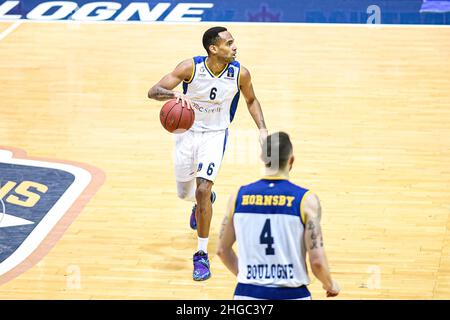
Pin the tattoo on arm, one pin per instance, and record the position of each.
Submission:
(161, 93)
(315, 232)
(222, 228)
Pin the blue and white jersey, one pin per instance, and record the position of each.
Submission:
(269, 225)
(215, 98)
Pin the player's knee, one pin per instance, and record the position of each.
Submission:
(202, 192)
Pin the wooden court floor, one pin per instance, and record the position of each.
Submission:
(368, 110)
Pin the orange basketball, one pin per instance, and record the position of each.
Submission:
(175, 118)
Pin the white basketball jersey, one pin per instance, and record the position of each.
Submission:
(215, 98)
(270, 234)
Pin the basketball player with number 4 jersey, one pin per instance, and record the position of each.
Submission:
(211, 86)
(274, 223)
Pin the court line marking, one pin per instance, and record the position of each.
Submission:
(10, 28)
(271, 24)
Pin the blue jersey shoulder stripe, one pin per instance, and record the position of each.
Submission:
(292, 195)
(196, 61)
(235, 63)
(199, 59)
(234, 105)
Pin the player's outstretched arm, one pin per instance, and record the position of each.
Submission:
(314, 244)
(253, 105)
(227, 238)
(163, 89)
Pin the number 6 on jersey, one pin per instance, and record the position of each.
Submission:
(212, 94)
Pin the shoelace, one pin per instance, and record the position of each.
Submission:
(203, 261)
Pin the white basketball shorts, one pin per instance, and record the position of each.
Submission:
(199, 154)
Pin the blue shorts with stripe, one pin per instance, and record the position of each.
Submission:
(250, 291)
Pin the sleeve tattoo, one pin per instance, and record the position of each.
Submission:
(222, 228)
(162, 93)
(315, 233)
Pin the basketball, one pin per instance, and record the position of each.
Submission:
(175, 118)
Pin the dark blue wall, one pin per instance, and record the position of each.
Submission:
(311, 11)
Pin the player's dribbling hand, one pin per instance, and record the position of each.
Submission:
(333, 291)
(185, 101)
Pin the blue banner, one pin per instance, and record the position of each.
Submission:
(298, 11)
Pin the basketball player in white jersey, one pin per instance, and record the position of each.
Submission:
(211, 86)
(274, 223)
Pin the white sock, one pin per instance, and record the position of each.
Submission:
(203, 244)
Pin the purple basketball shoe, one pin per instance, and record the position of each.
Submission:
(201, 266)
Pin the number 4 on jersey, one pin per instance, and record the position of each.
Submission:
(266, 238)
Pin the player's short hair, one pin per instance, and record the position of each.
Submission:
(277, 149)
(211, 36)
